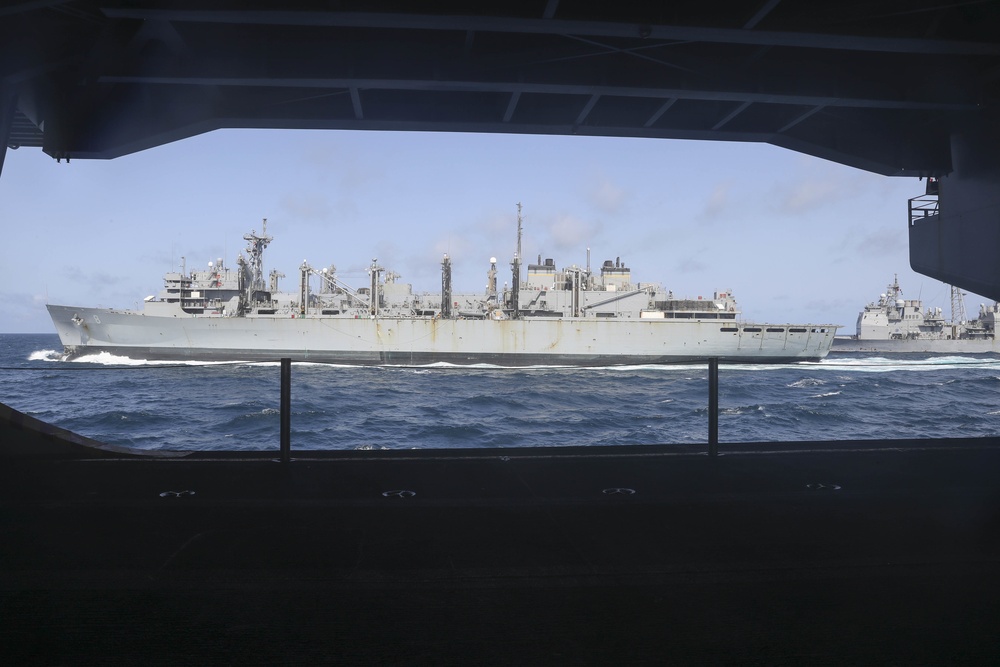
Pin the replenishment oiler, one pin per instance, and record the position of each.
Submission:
(569, 316)
(894, 324)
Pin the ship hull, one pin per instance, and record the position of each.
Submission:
(421, 341)
(921, 346)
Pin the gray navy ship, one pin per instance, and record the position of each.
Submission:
(895, 324)
(565, 316)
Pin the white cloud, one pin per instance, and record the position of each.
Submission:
(570, 233)
(23, 313)
(691, 265)
(881, 242)
(817, 185)
(95, 281)
(607, 196)
(306, 206)
(718, 203)
(454, 245)
(805, 196)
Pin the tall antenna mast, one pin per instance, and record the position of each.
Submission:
(515, 287)
(519, 230)
(255, 257)
(957, 306)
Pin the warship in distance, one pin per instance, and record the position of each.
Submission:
(570, 316)
(895, 324)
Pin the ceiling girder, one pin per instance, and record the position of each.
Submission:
(876, 85)
(546, 26)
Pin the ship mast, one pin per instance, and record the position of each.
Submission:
(373, 295)
(446, 287)
(519, 231)
(491, 280)
(255, 258)
(957, 305)
(515, 288)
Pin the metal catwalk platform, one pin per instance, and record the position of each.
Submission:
(818, 553)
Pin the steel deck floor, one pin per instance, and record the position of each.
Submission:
(818, 553)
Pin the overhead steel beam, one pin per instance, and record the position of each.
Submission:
(102, 78)
(21, 7)
(800, 118)
(587, 108)
(633, 52)
(542, 88)
(659, 112)
(733, 114)
(356, 103)
(552, 26)
(766, 9)
(511, 106)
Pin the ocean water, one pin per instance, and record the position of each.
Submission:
(235, 406)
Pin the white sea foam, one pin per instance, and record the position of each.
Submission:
(45, 355)
(743, 410)
(651, 367)
(807, 382)
(886, 364)
(108, 359)
(866, 364)
(874, 364)
(829, 393)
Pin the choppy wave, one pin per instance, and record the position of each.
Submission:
(881, 364)
(148, 404)
(807, 382)
(743, 410)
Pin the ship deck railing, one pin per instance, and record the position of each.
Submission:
(923, 207)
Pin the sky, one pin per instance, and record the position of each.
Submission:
(797, 239)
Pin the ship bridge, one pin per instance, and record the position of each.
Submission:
(894, 88)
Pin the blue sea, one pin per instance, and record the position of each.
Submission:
(235, 406)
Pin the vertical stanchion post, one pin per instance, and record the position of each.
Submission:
(286, 410)
(713, 406)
